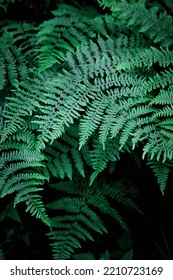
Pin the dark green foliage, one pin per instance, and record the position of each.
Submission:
(77, 91)
(78, 216)
(17, 160)
(4, 4)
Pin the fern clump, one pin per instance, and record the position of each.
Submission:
(81, 214)
(78, 90)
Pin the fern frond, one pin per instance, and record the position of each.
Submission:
(17, 174)
(80, 218)
(36, 207)
(14, 51)
(20, 182)
(60, 154)
(145, 57)
(134, 123)
(160, 80)
(3, 73)
(78, 161)
(67, 165)
(137, 16)
(15, 111)
(166, 128)
(161, 171)
(63, 33)
(100, 157)
(77, 225)
(92, 119)
(57, 109)
(164, 97)
(158, 146)
(95, 196)
(21, 38)
(121, 190)
(167, 111)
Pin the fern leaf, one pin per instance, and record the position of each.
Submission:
(164, 97)
(158, 146)
(3, 73)
(16, 183)
(76, 224)
(161, 171)
(137, 16)
(73, 30)
(36, 207)
(67, 166)
(15, 111)
(92, 119)
(78, 161)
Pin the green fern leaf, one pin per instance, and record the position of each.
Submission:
(161, 172)
(3, 73)
(92, 119)
(78, 161)
(67, 166)
(36, 207)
